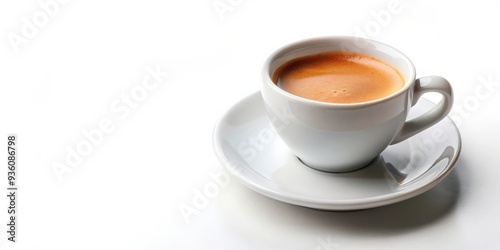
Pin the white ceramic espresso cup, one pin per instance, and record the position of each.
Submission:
(345, 137)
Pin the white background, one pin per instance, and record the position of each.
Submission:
(66, 68)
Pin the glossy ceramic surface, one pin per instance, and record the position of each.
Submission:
(249, 148)
(335, 137)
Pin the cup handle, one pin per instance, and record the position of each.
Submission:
(424, 85)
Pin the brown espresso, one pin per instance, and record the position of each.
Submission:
(338, 77)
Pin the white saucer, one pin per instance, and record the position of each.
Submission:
(248, 147)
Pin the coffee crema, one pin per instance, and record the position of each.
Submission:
(338, 77)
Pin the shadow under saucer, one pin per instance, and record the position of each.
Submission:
(420, 211)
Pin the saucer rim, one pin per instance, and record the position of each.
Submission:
(332, 204)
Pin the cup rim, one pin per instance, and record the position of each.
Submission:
(294, 46)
